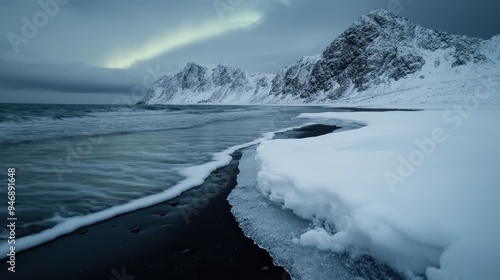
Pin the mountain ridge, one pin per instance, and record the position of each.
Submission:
(207, 83)
(380, 51)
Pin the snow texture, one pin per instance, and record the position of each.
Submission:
(415, 190)
(274, 228)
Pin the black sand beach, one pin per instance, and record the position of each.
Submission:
(194, 236)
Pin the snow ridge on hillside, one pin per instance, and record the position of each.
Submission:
(380, 53)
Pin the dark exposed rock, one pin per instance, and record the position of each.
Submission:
(135, 230)
(173, 203)
(376, 49)
(82, 231)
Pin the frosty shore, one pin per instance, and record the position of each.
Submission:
(415, 190)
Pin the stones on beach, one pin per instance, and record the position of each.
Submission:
(185, 252)
(265, 268)
(136, 230)
(82, 231)
(173, 203)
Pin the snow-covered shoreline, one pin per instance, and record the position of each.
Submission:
(416, 190)
(273, 228)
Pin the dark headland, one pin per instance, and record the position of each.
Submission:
(193, 236)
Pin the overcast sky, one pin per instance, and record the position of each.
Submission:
(96, 51)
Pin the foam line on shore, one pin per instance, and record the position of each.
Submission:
(195, 176)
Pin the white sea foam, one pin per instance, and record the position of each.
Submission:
(195, 176)
(99, 157)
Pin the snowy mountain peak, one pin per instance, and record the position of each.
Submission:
(221, 83)
(381, 50)
(379, 53)
(385, 15)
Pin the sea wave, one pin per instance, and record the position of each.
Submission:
(195, 176)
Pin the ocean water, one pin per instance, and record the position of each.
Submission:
(95, 161)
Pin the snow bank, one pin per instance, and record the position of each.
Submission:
(416, 190)
(273, 229)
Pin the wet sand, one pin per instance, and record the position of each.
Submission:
(193, 236)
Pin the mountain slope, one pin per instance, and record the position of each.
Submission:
(200, 84)
(380, 53)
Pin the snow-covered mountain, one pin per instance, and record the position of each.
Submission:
(213, 84)
(381, 57)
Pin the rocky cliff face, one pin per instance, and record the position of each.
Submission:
(380, 50)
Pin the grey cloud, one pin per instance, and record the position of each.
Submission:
(464, 17)
(64, 55)
(75, 78)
